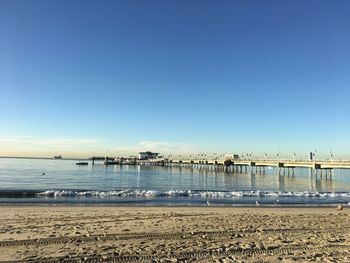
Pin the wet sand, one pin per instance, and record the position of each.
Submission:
(173, 234)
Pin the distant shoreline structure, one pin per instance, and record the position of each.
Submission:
(41, 158)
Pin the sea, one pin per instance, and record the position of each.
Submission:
(49, 181)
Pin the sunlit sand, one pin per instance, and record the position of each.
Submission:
(174, 234)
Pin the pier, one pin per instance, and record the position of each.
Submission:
(257, 165)
(234, 164)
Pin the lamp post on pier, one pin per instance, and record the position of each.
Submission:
(314, 155)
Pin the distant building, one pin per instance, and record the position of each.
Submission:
(147, 155)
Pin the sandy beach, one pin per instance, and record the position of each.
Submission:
(173, 234)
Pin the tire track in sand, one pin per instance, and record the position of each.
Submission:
(195, 255)
(150, 236)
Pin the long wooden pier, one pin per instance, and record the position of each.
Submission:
(258, 165)
(240, 165)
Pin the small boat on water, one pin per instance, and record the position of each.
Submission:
(82, 163)
(57, 157)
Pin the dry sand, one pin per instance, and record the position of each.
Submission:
(173, 234)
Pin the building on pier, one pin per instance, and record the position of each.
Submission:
(231, 156)
(147, 155)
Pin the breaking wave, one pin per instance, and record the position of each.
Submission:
(189, 193)
(175, 197)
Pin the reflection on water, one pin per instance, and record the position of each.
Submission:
(207, 179)
(63, 174)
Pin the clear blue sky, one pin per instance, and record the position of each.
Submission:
(83, 77)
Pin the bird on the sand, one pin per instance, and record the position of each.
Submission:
(208, 204)
(339, 207)
(257, 203)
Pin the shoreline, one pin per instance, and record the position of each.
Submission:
(235, 206)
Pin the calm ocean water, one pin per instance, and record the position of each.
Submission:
(23, 181)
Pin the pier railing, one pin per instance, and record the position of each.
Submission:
(315, 164)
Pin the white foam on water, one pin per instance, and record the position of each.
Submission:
(192, 193)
